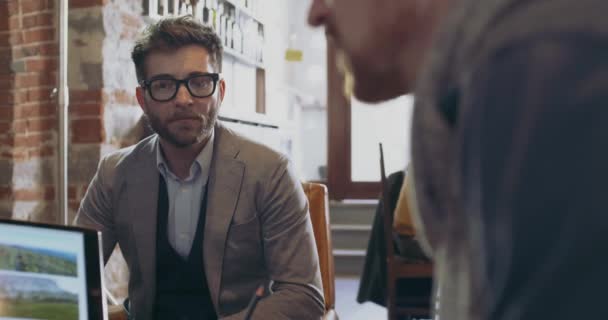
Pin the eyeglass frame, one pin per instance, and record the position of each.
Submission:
(145, 84)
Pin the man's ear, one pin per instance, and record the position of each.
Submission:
(140, 93)
(222, 85)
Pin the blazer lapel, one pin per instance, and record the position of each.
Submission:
(142, 192)
(225, 181)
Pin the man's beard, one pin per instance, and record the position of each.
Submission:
(162, 129)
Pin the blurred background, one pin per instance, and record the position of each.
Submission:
(67, 98)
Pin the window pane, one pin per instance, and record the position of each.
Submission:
(388, 122)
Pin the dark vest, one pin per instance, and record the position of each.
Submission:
(182, 292)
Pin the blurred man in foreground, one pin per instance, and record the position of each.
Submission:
(509, 145)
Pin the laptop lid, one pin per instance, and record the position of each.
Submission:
(50, 272)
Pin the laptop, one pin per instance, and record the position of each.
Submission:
(50, 272)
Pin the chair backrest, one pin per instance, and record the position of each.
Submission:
(387, 214)
(318, 203)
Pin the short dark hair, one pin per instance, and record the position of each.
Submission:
(174, 33)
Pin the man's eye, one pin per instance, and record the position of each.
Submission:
(200, 83)
(163, 84)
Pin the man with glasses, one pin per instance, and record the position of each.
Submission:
(202, 215)
(509, 142)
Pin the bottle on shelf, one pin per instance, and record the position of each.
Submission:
(237, 35)
(230, 29)
(212, 14)
(260, 44)
(222, 17)
(248, 36)
(205, 13)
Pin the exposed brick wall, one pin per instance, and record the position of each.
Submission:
(28, 122)
(103, 110)
(103, 114)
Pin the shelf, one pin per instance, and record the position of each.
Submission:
(245, 11)
(249, 118)
(242, 58)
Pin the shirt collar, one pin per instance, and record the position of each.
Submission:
(201, 164)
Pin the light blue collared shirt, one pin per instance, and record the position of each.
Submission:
(185, 197)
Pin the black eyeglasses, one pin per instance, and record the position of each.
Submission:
(165, 89)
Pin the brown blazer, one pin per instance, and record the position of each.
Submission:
(257, 228)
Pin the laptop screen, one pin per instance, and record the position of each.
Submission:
(49, 272)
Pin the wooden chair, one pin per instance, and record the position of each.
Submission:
(409, 307)
(318, 203)
(116, 312)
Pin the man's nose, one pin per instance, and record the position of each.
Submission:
(183, 96)
(318, 13)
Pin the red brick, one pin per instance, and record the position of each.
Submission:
(43, 19)
(34, 111)
(39, 94)
(20, 96)
(84, 110)
(33, 80)
(74, 205)
(45, 193)
(33, 139)
(34, 125)
(7, 81)
(6, 113)
(9, 7)
(4, 22)
(11, 38)
(82, 96)
(6, 92)
(15, 38)
(4, 39)
(6, 140)
(41, 65)
(85, 3)
(87, 131)
(41, 152)
(42, 124)
(28, 6)
(49, 49)
(71, 192)
(5, 127)
(26, 51)
(12, 23)
(6, 67)
(7, 97)
(38, 50)
(5, 70)
(38, 35)
(6, 193)
(14, 154)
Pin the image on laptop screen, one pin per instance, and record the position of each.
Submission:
(42, 273)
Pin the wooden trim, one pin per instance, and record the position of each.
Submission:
(339, 180)
(260, 88)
